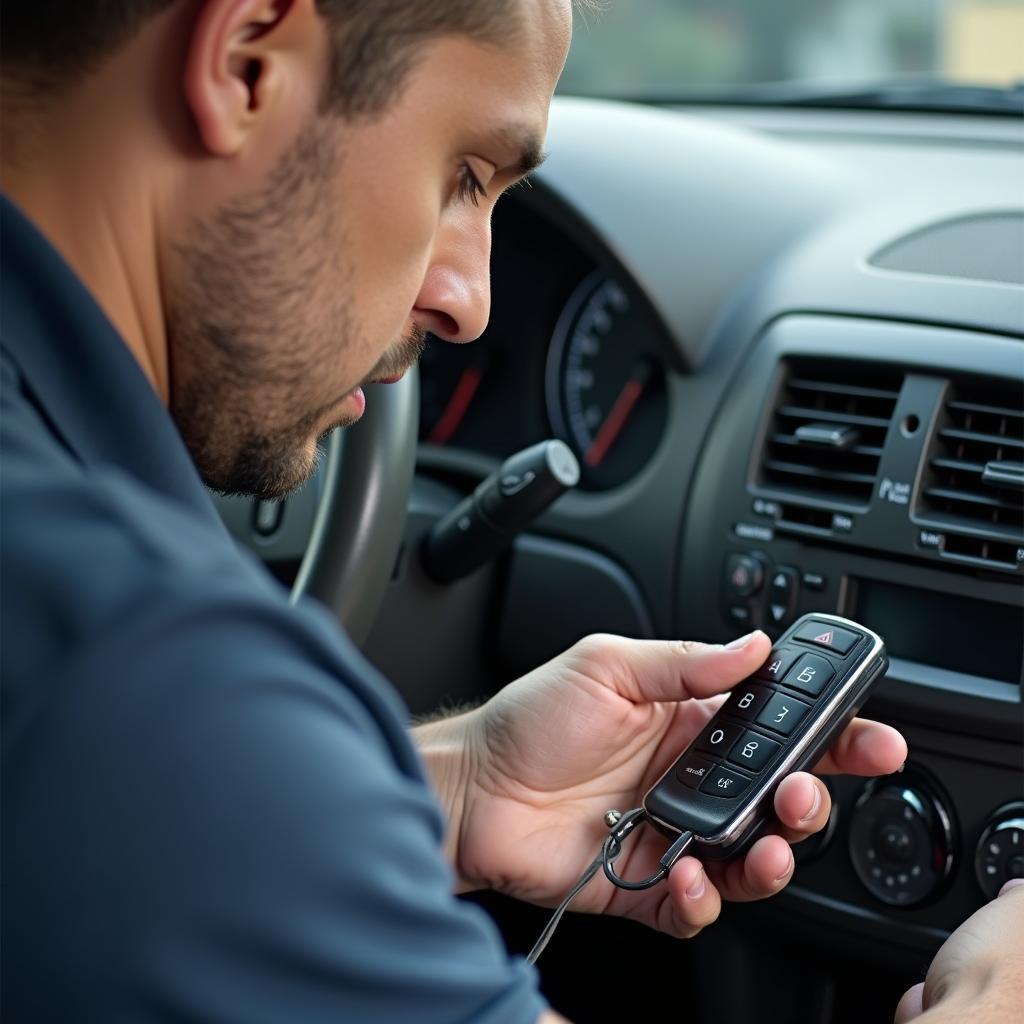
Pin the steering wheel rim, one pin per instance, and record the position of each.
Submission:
(361, 514)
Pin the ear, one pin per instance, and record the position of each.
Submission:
(240, 59)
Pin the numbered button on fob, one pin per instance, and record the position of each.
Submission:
(777, 664)
(722, 782)
(753, 751)
(718, 737)
(811, 674)
(782, 714)
(746, 701)
(693, 769)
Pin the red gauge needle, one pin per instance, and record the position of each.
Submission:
(457, 405)
(616, 419)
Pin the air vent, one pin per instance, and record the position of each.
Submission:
(975, 475)
(828, 429)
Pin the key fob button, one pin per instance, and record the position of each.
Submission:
(777, 664)
(724, 783)
(753, 751)
(811, 674)
(782, 714)
(747, 701)
(693, 770)
(718, 737)
(835, 639)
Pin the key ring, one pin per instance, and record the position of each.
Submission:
(621, 826)
(612, 847)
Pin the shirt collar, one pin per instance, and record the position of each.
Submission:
(79, 370)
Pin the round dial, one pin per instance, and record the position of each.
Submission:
(605, 385)
(1000, 853)
(901, 840)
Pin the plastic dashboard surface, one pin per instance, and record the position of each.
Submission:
(753, 236)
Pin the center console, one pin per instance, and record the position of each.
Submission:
(876, 470)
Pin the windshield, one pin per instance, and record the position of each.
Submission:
(774, 50)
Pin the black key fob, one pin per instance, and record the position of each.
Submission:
(779, 721)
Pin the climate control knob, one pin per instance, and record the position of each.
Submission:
(901, 839)
(1000, 853)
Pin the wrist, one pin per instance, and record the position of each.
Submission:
(448, 751)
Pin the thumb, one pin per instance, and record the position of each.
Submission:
(644, 671)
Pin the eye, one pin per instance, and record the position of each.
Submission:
(469, 187)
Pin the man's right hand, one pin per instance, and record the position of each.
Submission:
(978, 974)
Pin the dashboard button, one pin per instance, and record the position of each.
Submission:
(740, 614)
(811, 674)
(782, 595)
(782, 714)
(815, 580)
(744, 575)
(824, 634)
(722, 782)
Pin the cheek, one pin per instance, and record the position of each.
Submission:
(392, 245)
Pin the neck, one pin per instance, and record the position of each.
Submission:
(85, 185)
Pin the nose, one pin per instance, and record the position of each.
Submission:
(454, 301)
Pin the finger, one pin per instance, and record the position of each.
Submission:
(802, 805)
(911, 1005)
(865, 748)
(661, 670)
(692, 903)
(764, 871)
(1013, 883)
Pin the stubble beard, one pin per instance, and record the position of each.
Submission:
(260, 316)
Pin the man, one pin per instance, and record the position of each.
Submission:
(222, 218)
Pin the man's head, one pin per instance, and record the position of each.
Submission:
(298, 191)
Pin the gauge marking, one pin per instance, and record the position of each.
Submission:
(616, 420)
(457, 405)
(604, 382)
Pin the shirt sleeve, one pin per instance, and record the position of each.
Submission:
(202, 818)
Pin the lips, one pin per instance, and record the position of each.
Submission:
(389, 380)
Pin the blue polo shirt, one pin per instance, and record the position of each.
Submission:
(211, 810)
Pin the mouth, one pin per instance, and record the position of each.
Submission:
(393, 379)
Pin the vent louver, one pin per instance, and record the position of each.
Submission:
(828, 429)
(975, 475)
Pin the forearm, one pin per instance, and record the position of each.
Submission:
(444, 745)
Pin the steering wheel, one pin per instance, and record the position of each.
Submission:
(361, 515)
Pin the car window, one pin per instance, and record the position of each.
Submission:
(685, 49)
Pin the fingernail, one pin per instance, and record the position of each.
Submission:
(815, 805)
(789, 867)
(696, 889)
(1013, 883)
(742, 641)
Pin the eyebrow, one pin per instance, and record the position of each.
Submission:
(523, 141)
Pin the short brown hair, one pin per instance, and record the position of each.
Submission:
(46, 46)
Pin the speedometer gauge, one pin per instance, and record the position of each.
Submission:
(605, 384)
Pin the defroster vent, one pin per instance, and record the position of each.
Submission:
(828, 429)
(975, 473)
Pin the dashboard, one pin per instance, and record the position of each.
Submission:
(787, 349)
